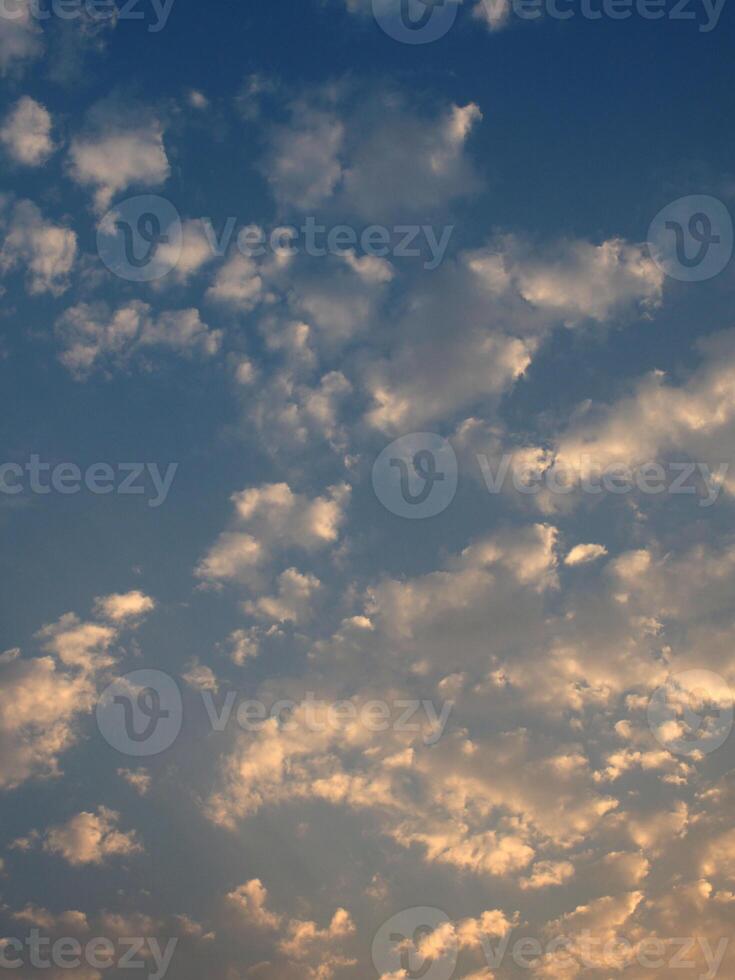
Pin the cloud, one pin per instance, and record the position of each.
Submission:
(377, 159)
(405, 163)
(79, 644)
(249, 901)
(293, 601)
(578, 280)
(44, 699)
(238, 284)
(48, 251)
(696, 417)
(91, 838)
(472, 330)
(41, 705)
(195, 252)
(117, 153)
(302, 164)
(20, 38)
(94, 338)
(583, 554)
(268, 519)
(302, 941)
(140, 780)
(26, 133)
(201, 678)
(123, 606)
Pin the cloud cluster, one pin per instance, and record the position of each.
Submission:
(44, 699)
(92, 337)
(46, 251)
(26, 133)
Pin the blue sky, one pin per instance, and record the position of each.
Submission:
(547, 595)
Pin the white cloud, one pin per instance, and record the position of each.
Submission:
(303, 160)
(26, 132)
(41, 704)
(139, 779)
(201, 678)
(197, 100)
(377, 159)
(471, 331)
(123, 606)
(405, 163)
(115, 156)
(79, 644)
(196, 251)
(20, 37)
(268, 519)
(302, 942)
(92, 337)
(495, 13)
(249, 900)
(91, 838)
(293, 601)
(238, 284)
(46, 250)
(583, 554)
